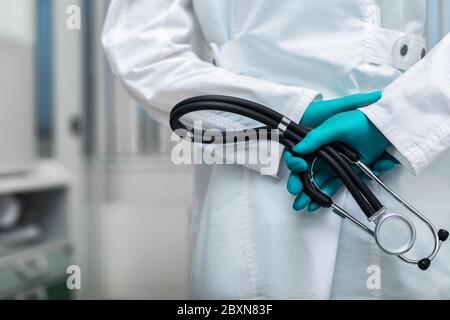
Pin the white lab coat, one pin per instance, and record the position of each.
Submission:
(248, 243)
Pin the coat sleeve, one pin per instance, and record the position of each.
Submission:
(414, 113)
(148, 44)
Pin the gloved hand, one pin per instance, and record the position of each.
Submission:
(336, 130)
(319, 111)
(325, 178)
(350, 127)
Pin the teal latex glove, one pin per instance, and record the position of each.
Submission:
(350, 127)
(325, 178)
(319, 111)
(316, 113)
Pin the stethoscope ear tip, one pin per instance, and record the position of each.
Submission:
(443, 235)
(424, 264)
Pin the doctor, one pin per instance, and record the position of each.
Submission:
(287, 55)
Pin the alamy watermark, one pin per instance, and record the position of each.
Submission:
(73, 281)
(374, 280)
(73, 21)
(260, 149)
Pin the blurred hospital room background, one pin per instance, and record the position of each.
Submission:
(85, 175)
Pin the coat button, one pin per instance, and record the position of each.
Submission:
(404, 50)
(424, 53)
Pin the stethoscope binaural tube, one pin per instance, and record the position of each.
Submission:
(293, 134)
(338, 156)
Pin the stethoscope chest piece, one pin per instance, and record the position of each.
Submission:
(395, 234)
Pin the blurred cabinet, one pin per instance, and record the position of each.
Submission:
(53, 290)
(35, 249)
(38, 274)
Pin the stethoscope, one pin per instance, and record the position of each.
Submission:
(394, 234)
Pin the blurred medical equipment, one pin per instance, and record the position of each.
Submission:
(20, 235)
(11, 232)
(9, 212)
(34, 247)
(395, 234)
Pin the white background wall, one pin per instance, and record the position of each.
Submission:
(16, 85)
(145, 232)
(17, 20)
(144, 207)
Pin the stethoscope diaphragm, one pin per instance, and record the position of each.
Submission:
(395, 234)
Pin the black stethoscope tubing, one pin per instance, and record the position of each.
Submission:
(338, 156)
